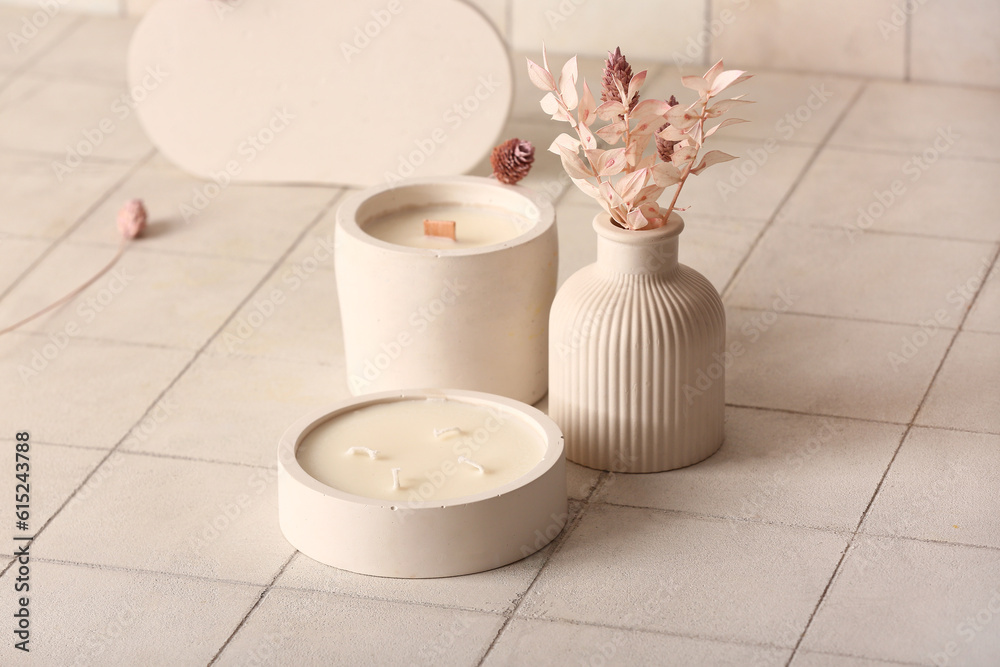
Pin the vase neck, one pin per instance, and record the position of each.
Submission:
(639, 252)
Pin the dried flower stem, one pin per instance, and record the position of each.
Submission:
(73, 294)
(688, 165)
(131, 221)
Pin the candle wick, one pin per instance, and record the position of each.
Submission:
(372, 453)
(440, 228)
(462, 459)
(395, 479)
(438, 432)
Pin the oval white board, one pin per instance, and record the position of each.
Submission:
(293, 91)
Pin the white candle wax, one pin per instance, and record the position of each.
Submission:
(475, 226)
(441, 449)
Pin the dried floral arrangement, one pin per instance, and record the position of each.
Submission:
(626, 182)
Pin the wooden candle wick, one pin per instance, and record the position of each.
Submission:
(442, 228)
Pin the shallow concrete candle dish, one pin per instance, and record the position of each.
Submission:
(408, 537)
(470, 315)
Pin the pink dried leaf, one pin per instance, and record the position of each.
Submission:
(611, 132)
(611, 162)
(636, 147)
(726, 123)
(650, 193)
(567, 83)
(683, 117)
(540, 76)
(724, 80)
(610, 109)
(666, 174)
(609, 194)
(636, 220)
(649, 111)
(695, 83)
(586, 136)
(550, 104)
(566, 141)
(630, 184)
(646, 162)
(722, 106)
(572, 163)
(712, 72)
(604, 204)
(635, 84)
(710, 158)
(683, 155)
(587, 113)
(672, 133)
(587, 187)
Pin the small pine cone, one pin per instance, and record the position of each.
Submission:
(616, 67)
(663, 147)
(132, 219)
(512, 160)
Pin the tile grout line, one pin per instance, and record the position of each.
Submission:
(885, 473)
(23, 68)
(114, 187)
(661, 633)
(560, 540)
(908, 47)
(904, 153)
(793, 187)
(113, 450)
(253, 608)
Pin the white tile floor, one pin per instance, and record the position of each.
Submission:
(850, 518)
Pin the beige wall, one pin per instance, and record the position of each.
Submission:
(954, 41)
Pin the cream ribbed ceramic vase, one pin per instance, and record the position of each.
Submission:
(636, 349)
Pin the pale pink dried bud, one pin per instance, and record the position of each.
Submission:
(132, 219)
(616, 68)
